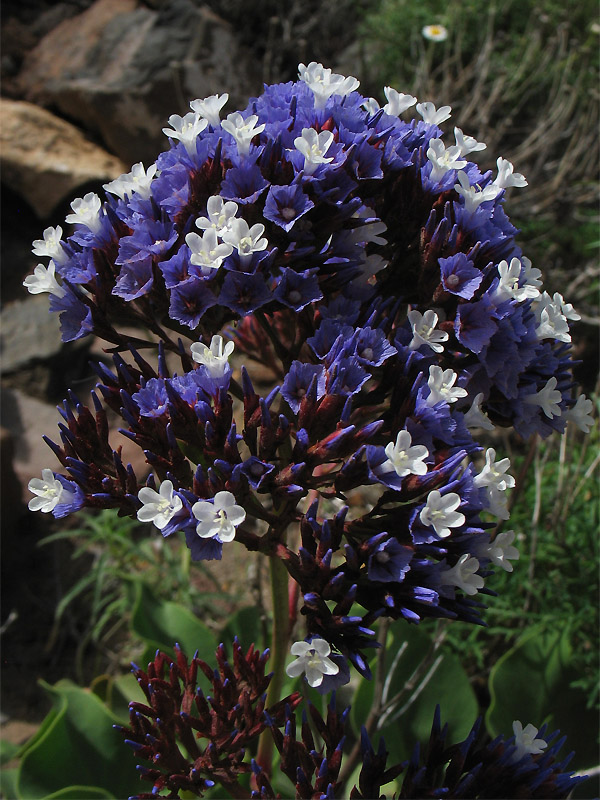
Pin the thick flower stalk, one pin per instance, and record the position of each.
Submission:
(369, 266)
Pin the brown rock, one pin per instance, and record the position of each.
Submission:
(122, 69)
(45, 159)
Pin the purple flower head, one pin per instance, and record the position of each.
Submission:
(190, 300)
(244, 184)
(297, 290)
(475, 324)
(244, 293)
(152, 398)
(75, 316)
(389, 561)
(135, 279)
(460, 276)
(175, 270)
(298, 382)
(71, 498)
(286, 204)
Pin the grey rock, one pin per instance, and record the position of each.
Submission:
(27, 333)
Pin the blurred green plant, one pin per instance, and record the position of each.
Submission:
(99, 602)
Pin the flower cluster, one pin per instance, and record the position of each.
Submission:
(193, 740)
(525, 765)
(369, 266)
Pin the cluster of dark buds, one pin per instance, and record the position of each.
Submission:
(524, 766)
(193, 739)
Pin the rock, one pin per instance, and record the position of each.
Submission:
(45, 159)
(28, 333)
(122, 69)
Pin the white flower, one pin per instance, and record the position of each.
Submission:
(369, 232)
(48, 491)
(423, 331)
(581, 414)
(44, 280)
(397, 102)
(467, 144)
(324, 83)
(312, 659)
(566, 308)
(525, 741)
(547, 398)
(51, 245)
(370, 105)
(552, 322)
(242, 130)
(404, 458)
(435, 33)
(245, 240)
(313, 147)
(440, 512)
(209, 108)
(432, 115)
(531, 274)
(510, 275)
(443, 159)
(501, 550)
(505, 177)
(186, 129)
(441, 382)
(220, 215)
(159, 507)
(206, 250)
(139, 180)
(474, 196)
(214, 358)
(494, 473)
(86, 212)
(463, 575)
(219, 518)
(497, 502)
(475, 418)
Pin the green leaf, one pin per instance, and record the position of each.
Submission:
(420, 681)
(246, 625)
(79, 793)
(161, 624)
(77, 748)
(8, 783)
(530, 683)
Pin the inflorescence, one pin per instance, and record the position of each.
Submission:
(370, 266)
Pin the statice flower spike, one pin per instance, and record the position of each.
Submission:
(581, 414)
(210, 108)
(494, 472)
(548, 398)
(475, 418)
(44, 280)
(206, 251)
(220, 215)
(501, 550)
(138, 181)
(441, 383)
(324, 83)
(474, 196)
(159, 507)
(443, 159)
(246, 240)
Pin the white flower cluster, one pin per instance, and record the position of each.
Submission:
(223, 233)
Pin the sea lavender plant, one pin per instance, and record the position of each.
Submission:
(370, 266)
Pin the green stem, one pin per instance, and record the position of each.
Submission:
(279, 651)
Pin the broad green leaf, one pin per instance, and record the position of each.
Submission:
(161, 624)
(420, 685)
(8, 783)
(531, 683)
(246, 625)
(79, 747)
(79, 793)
